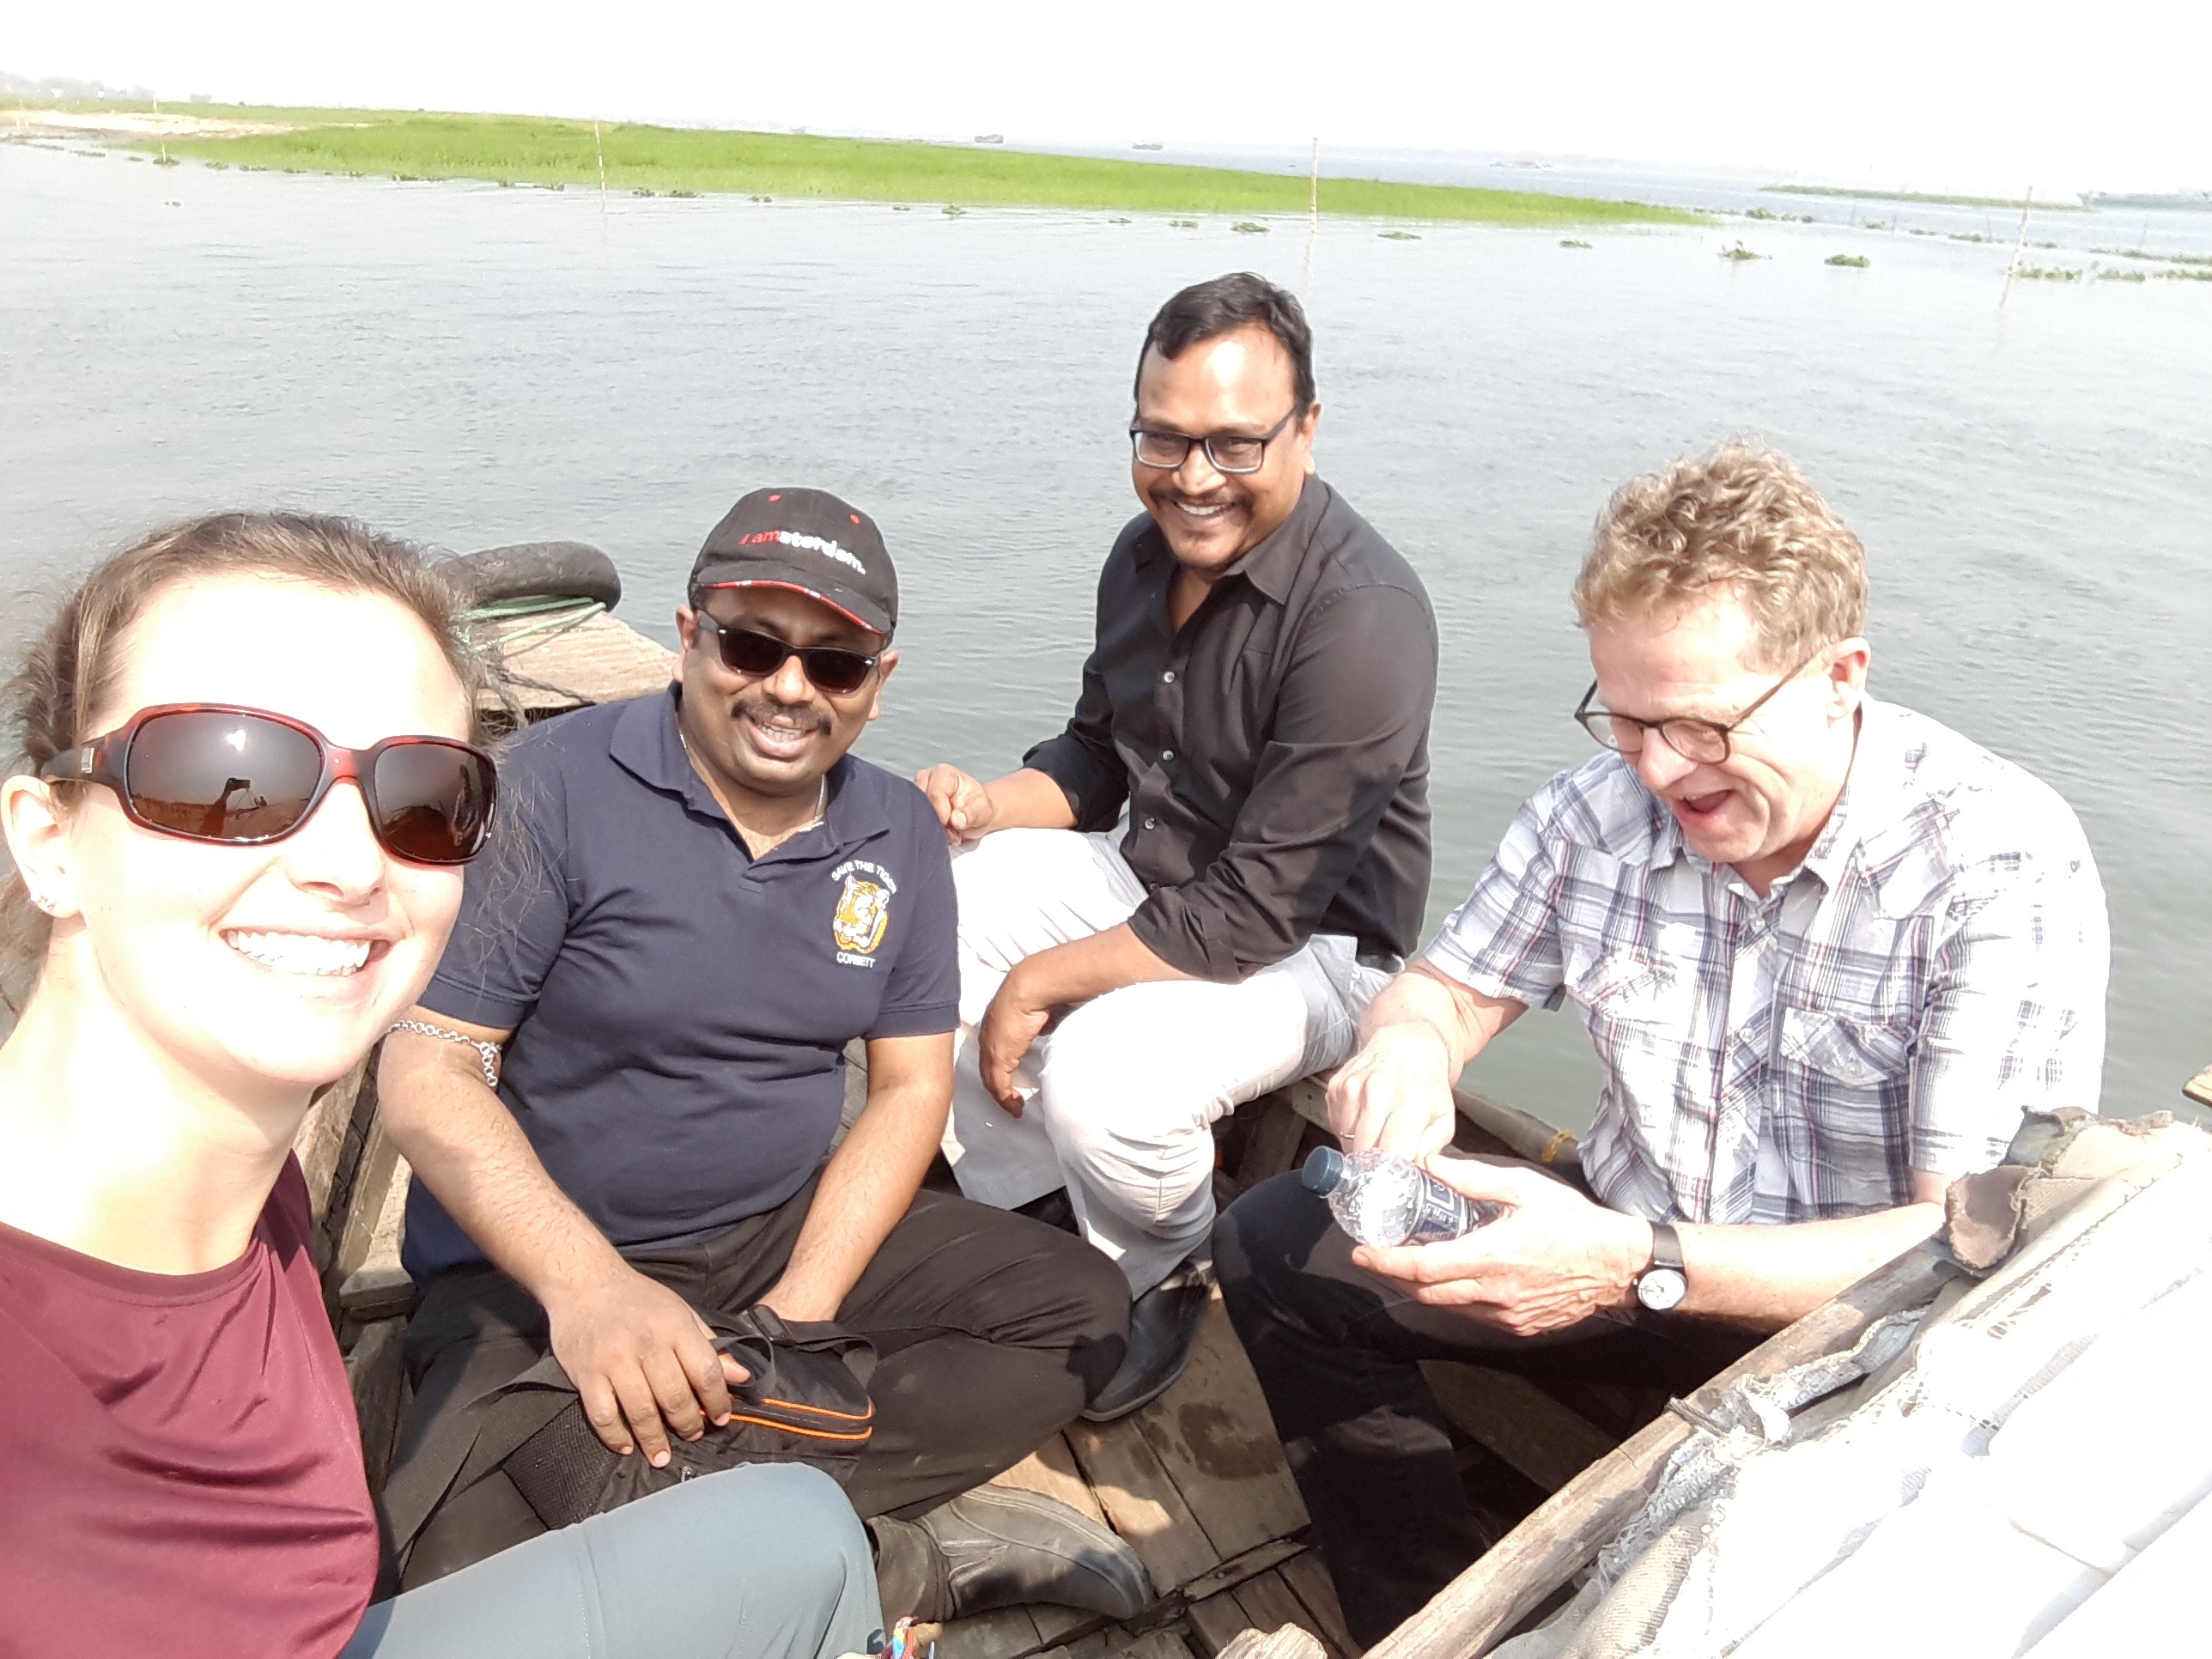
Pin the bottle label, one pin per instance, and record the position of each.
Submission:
(1440, 1213)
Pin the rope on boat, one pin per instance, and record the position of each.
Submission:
(558, 615)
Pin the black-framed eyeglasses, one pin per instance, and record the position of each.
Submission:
(1705, 742)
(1229, 452)
(832, 668)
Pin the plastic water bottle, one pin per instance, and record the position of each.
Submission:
(1383, 1200)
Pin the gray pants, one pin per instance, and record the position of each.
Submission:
(763, 1562)
(1122, 1095)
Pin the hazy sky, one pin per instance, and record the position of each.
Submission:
(1929, 94)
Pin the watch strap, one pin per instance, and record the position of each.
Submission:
(1666, 1247)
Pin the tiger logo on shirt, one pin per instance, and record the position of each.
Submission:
(863, 914)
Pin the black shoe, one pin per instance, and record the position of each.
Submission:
(998, 1547)
(1054, 1209)
(1162, 1323)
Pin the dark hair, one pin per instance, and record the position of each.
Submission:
(72, 665)
(1206, 311)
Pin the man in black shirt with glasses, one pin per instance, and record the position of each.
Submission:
(1189, 895)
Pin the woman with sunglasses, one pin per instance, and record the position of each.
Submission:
(236, 852)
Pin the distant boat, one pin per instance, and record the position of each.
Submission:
(990, 137)
(1147, 146)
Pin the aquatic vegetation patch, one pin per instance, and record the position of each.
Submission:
(2144, 253)
(1397, 235)
(545, 152)
(2180, 276)
(1184, 224)
(1739, 251)
(1572, 242)
(1855, 261)
(2048, 274)
(1919, 196)
(1249, 228)
(1786, 218)
(2109, 274)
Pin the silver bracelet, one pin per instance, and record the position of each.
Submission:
(486, 1052)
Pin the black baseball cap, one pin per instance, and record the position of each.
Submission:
(811, 542)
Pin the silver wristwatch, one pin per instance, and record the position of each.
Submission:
(1662, 1286)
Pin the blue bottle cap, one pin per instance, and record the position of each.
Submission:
(1324, 1168)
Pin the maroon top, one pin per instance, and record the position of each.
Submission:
(179, 1463)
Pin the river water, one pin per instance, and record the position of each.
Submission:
(469, 365)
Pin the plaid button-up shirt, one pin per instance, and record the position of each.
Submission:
(1935, 966)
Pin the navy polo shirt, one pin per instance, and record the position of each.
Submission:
(680, 1009)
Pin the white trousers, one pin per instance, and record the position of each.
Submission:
(1121, 1097)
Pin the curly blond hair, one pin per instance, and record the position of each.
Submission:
(1739, 518)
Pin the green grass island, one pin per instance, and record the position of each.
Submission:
(542, 151)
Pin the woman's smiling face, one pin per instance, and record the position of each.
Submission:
(263, 969)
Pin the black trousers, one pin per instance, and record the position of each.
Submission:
(991, 1330)
(1338, 1349)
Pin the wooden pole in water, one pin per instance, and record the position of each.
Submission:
(600, 150)
(1313, 217)
(2018, 242)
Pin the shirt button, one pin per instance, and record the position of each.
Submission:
(1166, 676)
(1167, 754)
(1151, 823)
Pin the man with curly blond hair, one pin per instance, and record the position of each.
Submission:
(1827, 951)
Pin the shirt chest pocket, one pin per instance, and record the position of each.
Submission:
(1839, 1052)
(1642, 1014)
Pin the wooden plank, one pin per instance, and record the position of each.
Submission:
(1289, 1642)
(1057, 1625)
(1215, 1438)
(1112, 1643)
(378, 1377)
(1307, 1575)
(321, 1138)
(2199, 1088)
(1010, 1634)
(1216, 1622)
(1250, 1564)
(1566, 1532)
(600, 660)
(1271, 1604)
(1141, 1503)
(1512, 1417)
(1523, 1135)
(1273, 1147)
(375, 1292)
(1050, 1471)
(355, 1228)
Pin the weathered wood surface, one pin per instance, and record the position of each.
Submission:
(1288, 1643)
(1521, 1135)
(1551, 1546)
(380, 1387)
(1512, 1417)
(599, 660)
(2199, 1088)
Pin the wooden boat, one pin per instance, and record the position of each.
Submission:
(1196, 1482)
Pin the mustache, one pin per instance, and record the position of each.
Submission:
(768, 711)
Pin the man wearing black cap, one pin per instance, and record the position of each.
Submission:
(714, 897)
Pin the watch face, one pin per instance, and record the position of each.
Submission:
(1662, 1289)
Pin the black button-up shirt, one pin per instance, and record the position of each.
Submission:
(1272, 751)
